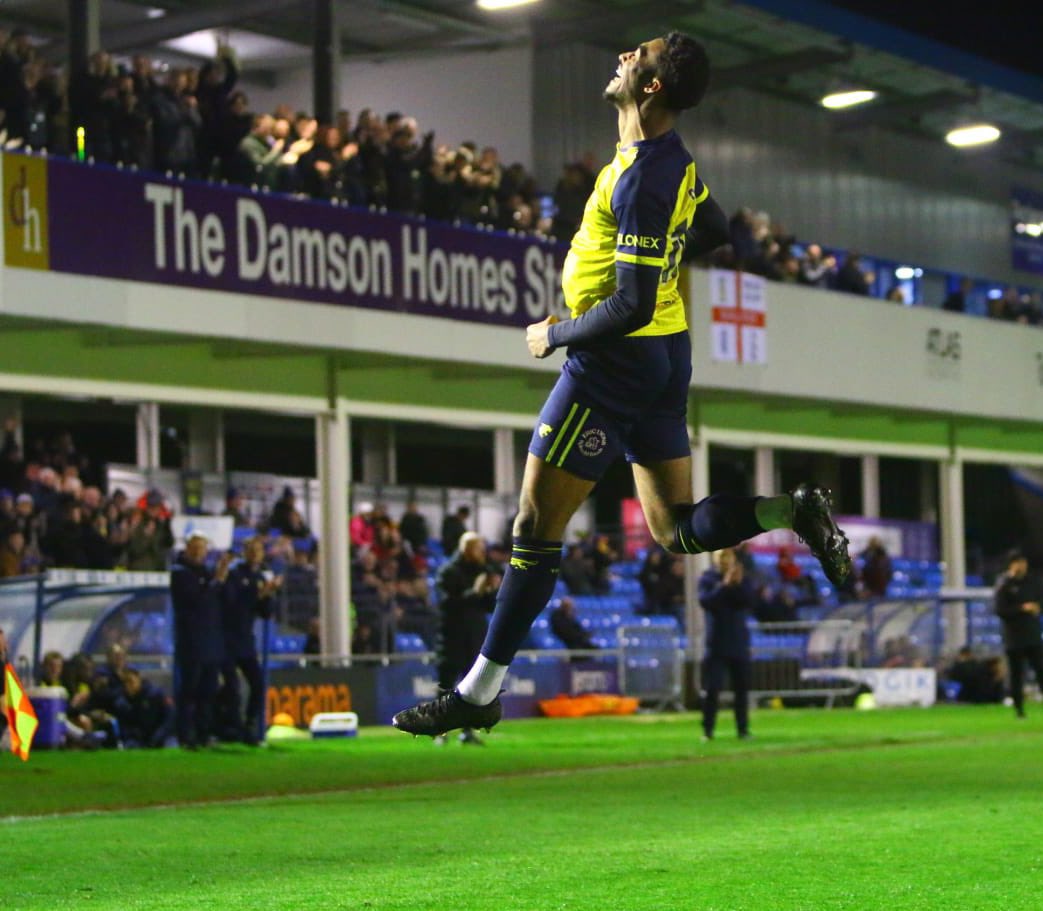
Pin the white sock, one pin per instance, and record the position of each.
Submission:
(483, 681)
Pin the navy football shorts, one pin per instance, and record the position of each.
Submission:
(627, 396)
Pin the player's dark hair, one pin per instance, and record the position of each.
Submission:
(684, 71)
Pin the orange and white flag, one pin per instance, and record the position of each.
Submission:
(20, 715)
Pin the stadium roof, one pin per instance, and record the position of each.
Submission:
(796, 49)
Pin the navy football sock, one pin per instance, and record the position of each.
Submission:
(721, 520)
(527, 586)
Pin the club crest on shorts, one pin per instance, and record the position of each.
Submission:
(592, 442)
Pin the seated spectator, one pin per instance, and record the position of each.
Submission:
(876, 569)
(850, 277)
(567, 628)
(668, 592)
(413, 612)
(576, 571)
(896, 295)
(144, 714)
(313, 641)
(652, 568)
(570, 199)
(602, 555)
(815, 268)
(981, 681)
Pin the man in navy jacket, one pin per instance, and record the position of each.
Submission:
(247, 595)
(728, 599)
(198, 639)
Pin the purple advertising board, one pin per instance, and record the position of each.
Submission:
(102, 221)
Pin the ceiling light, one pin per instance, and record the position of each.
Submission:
(155, 12)
(904, 273)
(847, 99)
(503, 4)
(975, 135)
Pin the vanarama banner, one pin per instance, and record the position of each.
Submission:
(102, 221)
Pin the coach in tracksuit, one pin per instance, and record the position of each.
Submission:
(1017, 604)
(196, 593)
(247, 597)
(728, 599)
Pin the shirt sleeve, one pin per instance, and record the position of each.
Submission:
(642, 208)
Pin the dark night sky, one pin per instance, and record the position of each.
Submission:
(1005, 32)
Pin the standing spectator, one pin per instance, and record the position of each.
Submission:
(234, 508)
(956, 302)
(567, 628)
(1017, 604)
(195, 592)
(247, 594)
(175, 126)
(466, 589)
(406, 161)
(64, 544)
(570, 198)
(259, 154)
(413, 528)
(215, 82)
(360, 529)
(150, 536)
(280, 519)
(815, 269)
(453, 527)
(876, 568)
(728, 599)
(15, 560)
(850, 277)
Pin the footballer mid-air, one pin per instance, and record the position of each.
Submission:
(624, 386)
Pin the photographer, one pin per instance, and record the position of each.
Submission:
(1017, 605)
(247, 595)
(466, 587)
(728, 599)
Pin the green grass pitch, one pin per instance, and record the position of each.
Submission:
(906, 809)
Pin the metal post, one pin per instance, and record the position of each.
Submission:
(262, 719)
(503, 461)
(334, 457)
(952, 521)
(206, 440)
(84, 26)
(325, 60)
(38, 626)
(871, 486)
(147, 431)
(764, 472)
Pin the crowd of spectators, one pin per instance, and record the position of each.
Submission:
(389, 587)
(760, 246)
(198, 122)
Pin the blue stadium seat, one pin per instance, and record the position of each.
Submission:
(409, 642)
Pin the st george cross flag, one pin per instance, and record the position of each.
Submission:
(20, 715)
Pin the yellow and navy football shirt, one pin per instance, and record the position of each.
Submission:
(639, 213)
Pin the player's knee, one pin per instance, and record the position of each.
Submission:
(531, 522)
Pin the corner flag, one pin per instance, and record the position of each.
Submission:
(20, 715)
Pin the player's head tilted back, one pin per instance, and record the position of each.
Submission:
(671, 73)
